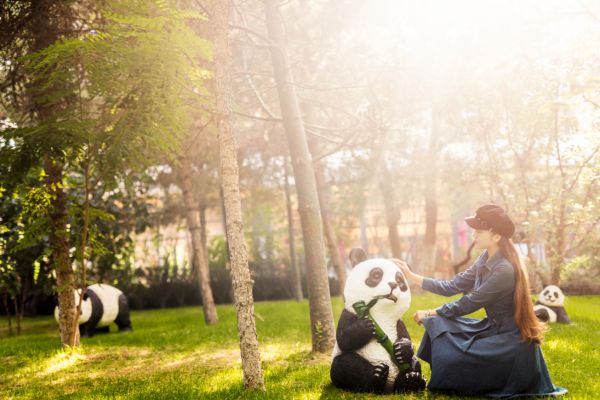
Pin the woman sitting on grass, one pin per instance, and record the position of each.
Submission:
(499, 355)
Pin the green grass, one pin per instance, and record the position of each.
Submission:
(171, 354)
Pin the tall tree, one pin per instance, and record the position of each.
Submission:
(392, 211)
(192, 215)
(321, 315)
(27, 28)
(297, 284)
(240, 272)
(324, 193)
(431, 206)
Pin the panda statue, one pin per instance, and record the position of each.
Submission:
(102, 304)
(550, 306)
(373, 351)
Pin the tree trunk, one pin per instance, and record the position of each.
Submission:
(298, 295)
(431, 207)
(392, 212)
(557, 259)
(59, 244)
(224, 221)
(330, 235)
(192, 214)
(230, 183)
(7, 308)
(323, 190)
(18, 315)
(203, 234)
(321, 315)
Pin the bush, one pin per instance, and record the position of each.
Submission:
(581, 275)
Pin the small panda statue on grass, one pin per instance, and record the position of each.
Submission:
(373, 350)
(550, 306)
(102, 304)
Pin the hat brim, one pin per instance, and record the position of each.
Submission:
(475, 223)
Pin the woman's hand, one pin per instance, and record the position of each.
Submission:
(408, 274)
(403, 266)
(420, 314)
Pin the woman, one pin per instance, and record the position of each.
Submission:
(499, 355)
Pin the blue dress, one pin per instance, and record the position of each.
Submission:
(482, 357)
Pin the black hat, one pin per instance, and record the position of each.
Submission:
(494, 217)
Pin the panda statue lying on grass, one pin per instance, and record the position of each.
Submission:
(373, 350)
(550, 306)
(102, 304)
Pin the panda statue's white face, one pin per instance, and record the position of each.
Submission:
(552, 296)
(378, 277)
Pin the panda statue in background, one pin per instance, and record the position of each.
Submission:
(102, 304)
(550, 306)
(373, 350)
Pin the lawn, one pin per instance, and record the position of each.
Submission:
(171, 354)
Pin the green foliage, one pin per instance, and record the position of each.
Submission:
(581, 274)
(126, 88)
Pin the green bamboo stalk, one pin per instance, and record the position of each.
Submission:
(362, 311)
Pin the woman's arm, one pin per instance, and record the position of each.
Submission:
(501, 280)
(462, 282)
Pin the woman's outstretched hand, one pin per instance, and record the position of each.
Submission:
(408, 274)
(403, 266)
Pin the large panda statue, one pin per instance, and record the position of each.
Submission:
(102, 304)
(550, 306)
(373, 350)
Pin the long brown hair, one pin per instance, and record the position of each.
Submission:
(530, 327)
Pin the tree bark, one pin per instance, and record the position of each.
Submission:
(392, 212)
(7, 308)
(321, 315)
(203, 234)
(18, 314)
(240, 271)
(192, 214)
(59, 243)
(298, 295)
(557, 245)
(328, 228)
(431, 207)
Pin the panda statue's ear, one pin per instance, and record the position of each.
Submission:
(357, 255)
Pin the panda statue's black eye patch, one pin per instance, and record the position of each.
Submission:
(374, 278)
(401, 282)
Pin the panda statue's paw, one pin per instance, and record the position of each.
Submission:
(380, 376)
(542, 314)
(403, 350)
(411, 381)
(367, 325)
(415, 365)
